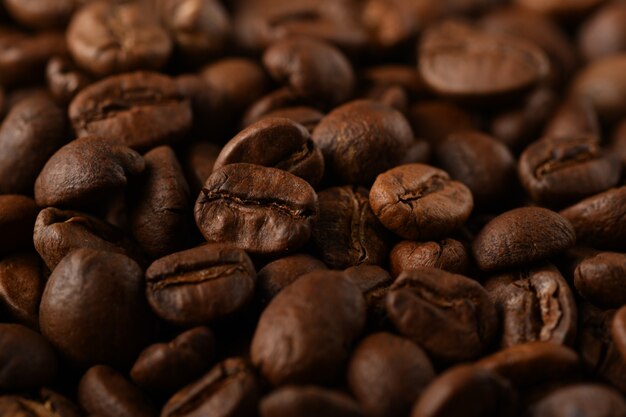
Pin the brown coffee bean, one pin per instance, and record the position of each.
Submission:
(590, 400)
(308, 401)
(347, 233)
(112, 37)
(85, 171)
(459, 61)
(28, 360)
(93, 308)
(105, 392)
(22, 280)
(198, 164)
(536, 304)
(562, 170)
(573, 118)
(387, 75)
(456, 392)
(449, 315)
(361, 139)
(277, 143)
(165, 367)
(278, 274)
(313, 69)
(270, 102)
(17, 219)
(435, 120)
(521, 236)
(618, 331)
(230, 389)
(598, 220)
(305, 333)
(64, 80)
(447, 254)
(374, 282)
(139, 109)
(387, 374)
(603, 33)
(600, 279)
(31, 132)
(418, 201)
(200, 285)
(261, 210)
(306, 116)
(41, 14)
(46, 404)
(393, 23)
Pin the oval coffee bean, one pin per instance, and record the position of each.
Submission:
(17, 220)
(306, 116)
(434, 120)
(418, 201)
(278, 274)
(139, 109)
(93, 308)
(308, 401)
(41, 14)
(22, 280)
(374, 282)
(601, 279)
(277, 143)
(574, 117)
(230, 389)
(387, 374)
(258, 209)
(305, 333)
(46, 404)
(85, 171)
(589, 400)
(618, 331)
(200, 285)
(521, 236)
(449, 315)
(64, 80)
(603, 34)
(447, 254)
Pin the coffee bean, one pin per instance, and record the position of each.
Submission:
(277, 143)
(28, 360)
(434, 120)
(562, 170)
(308, 401)
(361, 139)
(258, 209)
(618, 331)
(139, 109)
(31, 132)
(93, 309)
(374, 283)
(418, 201)
(449, 315)
(592, 400)
(22, 280)
(600, 279)
(305, 333)
(521, 236)
(64, 79)
(84, 171)
(403, 76)
(270, 102)
(598, 220)
(447, 254)
(230, 389)
(573, 118)
(602, 34)
(105, 392)
(314, 70)
(347, 232)
(111, 37)
(306, 116)
(387, 374)
(40, 14)
(200, 285)
(17, 219)
(198, 164)
(278, 274)
(46, 404)
(165, 367)
(536, 304)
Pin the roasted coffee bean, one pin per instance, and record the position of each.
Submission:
(467, 391)
(598, 220)
(198, 163)
(161, 204)
(387, 374)
(303, 115)
(536, 304)
(139, 109)
(93, 308)
(308, 401)
(105, 392)
(85, 171)
(272, 101)
(31, 132)
(165, 367)
(22, 280)
(200, 285)
(278, 274)
(590, 400)
(361, 139)
(277, 143)
(59, 232)
(459, 61)
(111, 37)
(46, 404)
(28, 360)
(447, 254)
(603, 33)
(559, 171)
(305, 333)
(532, 363)
(393, 23)
(230, 389)
(258, 209)
(374, 283)
(521, 236)
(17, 219)
(573, 118)
(314, 70)
(347, 233)
(64, 79)
(449, 315)
(600, 279)
(435, 120)
(618, 331)
(418, 201)
(41, 14)
(388, 75)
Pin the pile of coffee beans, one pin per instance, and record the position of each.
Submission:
(312, 208)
